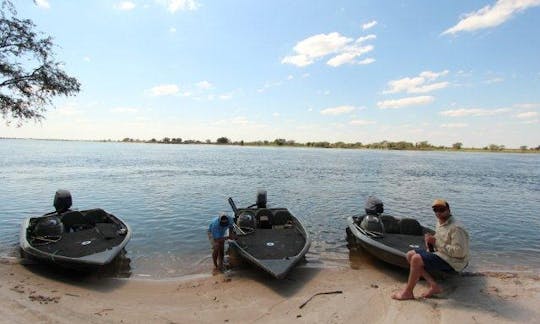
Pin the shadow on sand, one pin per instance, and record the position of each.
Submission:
(102, 279)
(286, 287)
(463, 291)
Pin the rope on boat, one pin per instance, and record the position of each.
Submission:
(244, 231)
(46, 239)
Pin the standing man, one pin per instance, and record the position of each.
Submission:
(216, 235)
(448, 250)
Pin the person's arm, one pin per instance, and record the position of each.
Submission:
(459, 244)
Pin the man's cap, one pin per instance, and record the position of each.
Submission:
(439, 202)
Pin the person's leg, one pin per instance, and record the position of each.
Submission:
(409, 255)
(415, 272)
(434, 288)
(215, 254)
(221, 254)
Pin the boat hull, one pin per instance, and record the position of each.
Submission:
(388, 247)
(277, 248)
(88, 249)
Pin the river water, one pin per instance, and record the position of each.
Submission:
(169, 193)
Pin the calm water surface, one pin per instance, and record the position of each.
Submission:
(169, 193)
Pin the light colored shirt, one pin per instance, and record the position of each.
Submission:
(452, 243)
(217, 230)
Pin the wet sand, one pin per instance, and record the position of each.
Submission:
(32, 293)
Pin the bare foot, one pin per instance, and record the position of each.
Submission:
(433, 290)
(403, 295)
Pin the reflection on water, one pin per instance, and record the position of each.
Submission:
(169, 193)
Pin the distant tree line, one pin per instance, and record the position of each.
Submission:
(383, 145)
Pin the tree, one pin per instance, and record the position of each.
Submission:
(30, 77)
(223, 140)
(457, 146)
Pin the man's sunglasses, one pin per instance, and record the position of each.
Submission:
(439, 209)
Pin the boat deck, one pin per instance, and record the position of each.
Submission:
(84, 242)
(275, 243)
(402, 242)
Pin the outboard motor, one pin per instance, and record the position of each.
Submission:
(62, 201)
(49, 226)
(372, 223)
(261, 199)
(374, 206)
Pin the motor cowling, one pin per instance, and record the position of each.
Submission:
(62, 200)
(261, 199)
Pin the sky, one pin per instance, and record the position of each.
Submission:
(354, 71)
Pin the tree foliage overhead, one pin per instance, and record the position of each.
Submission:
(30, 77)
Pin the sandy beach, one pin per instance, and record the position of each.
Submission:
(361, 295)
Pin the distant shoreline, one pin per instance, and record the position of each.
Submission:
(384, 145)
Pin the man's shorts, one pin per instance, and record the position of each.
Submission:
(432, 262)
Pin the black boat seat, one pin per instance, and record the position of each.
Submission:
(281, 217)
(75, 220)
(391, 224)
(410, 226)
(264, 218)
(97, 215)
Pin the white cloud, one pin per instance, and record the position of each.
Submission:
(528, 105)
(494, 80)
(419, 84)
(125, 5)
(68, 110)
(429, 87)
(473, 112)
(454, 125)
(430, 75)
(164, 90)
(43, 4)
(315, 47)
(226, 96)
(366, 61)
(276, 114)
(204, 85)
(86, 59)
(362, 39)
(124, 110)
(349, 55)
(528, 114)
(491, 16)
(179, 5)
(361, 122)
(337, 110)
(404, 102)
(369, 25)
(172, 30)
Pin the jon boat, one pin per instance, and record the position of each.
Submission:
(82, 240)
(386, 237)
(272, 239)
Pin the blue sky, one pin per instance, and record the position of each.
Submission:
(353, 71)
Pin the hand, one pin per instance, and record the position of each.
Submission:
(429, 240)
